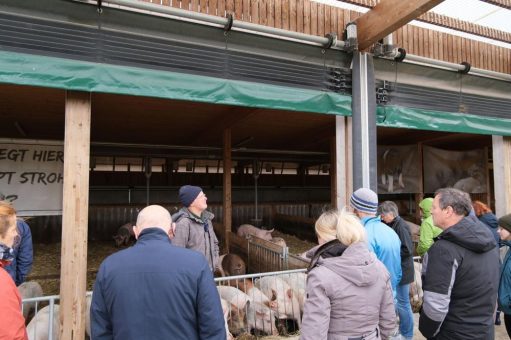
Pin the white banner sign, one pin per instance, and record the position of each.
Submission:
(31, 176)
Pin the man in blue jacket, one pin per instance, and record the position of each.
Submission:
(155, 290)
(382, 240)
(23, 254)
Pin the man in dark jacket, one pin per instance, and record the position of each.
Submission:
(389, 214)
(460, 273)
(155, 290)
(194, 227)
(23, 254)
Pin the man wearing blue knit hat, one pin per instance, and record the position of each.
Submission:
(382, 240)
(194, 229)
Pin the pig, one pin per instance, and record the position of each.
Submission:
(256, 295)
(297, 282)
(231, 265)
(287, 301)
(280, 241)
(88, 300)
(237, 301)
(247, 229)
(225, 310)
(125, 235)
(30, 289)
(261, 319)
(245, 314)
(38, 328)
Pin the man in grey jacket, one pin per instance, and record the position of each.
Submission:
(194, 229)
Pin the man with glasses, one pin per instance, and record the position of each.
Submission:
(460, 273)
(194, 229)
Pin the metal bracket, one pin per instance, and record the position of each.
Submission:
(467, 68)
(230, 21)
(332, 37)
(100, 6)
(402, 54)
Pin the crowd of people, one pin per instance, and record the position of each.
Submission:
(357, 285)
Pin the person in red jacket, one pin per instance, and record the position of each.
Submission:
(12, 323)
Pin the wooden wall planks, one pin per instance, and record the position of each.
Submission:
(318, 19)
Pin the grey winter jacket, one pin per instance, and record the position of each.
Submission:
(348, 296)
(196, 234)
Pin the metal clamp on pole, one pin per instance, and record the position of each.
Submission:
(401, 56)
(100, 6)
(230, 21)
(350, 35)
(332, 37)
(467, 68)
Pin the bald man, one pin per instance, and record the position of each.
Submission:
(155, 290)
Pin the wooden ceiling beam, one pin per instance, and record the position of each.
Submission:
(453, 23)
(387, 16)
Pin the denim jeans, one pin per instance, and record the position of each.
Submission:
(404, 310)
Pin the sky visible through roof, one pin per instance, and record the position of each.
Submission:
(473, 11)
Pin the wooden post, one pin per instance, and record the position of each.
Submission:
(348, 160)
(75, 206)
(227, 188)
(420, 195)
(333, 173)
(502, 174)
(339, 164)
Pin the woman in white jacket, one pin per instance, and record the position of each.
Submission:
(349, 294)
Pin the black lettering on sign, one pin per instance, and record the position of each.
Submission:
(16, 155)
(41, 178)
(7, 176)
(48, 156)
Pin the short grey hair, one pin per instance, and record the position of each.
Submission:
(388, 207)
(459, 200)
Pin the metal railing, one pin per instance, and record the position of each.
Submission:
(264, 303)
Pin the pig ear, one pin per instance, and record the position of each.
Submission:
(290, 293)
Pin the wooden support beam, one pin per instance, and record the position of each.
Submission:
(502, 174)
(455, 24)
(387, 16)
(228, 120)
(227, 188)
(75, 206)
(333, 173)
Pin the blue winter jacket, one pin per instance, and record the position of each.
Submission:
(23, 254)
(505, 285)
(385, 243)
(155, 291)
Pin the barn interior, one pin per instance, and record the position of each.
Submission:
(143, 149)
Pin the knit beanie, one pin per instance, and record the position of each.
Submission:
(188, 194)
(364, 200)
(505, 222)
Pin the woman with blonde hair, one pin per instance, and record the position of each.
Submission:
(349, 294)
(12, 323)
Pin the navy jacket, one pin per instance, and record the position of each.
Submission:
(490, 220)
(23, 254)
(460, 282)
(154, 290)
